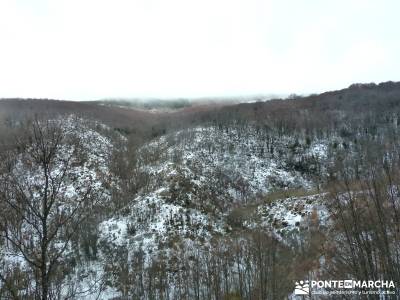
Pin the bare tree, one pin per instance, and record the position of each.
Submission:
(43, 201)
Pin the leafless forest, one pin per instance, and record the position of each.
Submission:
(216, 201)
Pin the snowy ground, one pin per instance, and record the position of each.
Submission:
(197, 177)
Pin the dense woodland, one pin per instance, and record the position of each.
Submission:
(108, 202)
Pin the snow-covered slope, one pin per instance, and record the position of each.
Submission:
(77, 177)
(199, 177)
(202, 183)
(242, 161)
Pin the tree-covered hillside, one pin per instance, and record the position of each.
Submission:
(212, 202)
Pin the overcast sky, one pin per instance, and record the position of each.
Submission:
(87, 49)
